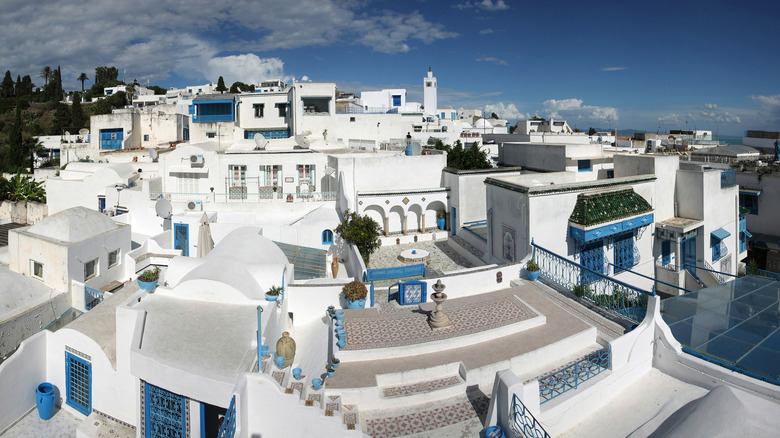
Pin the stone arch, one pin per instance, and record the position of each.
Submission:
(430, 212)
(395, 218)
(414, 221)
(377, 213)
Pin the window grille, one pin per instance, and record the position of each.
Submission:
(78, 381)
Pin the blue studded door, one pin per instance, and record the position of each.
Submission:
(181, 238)
(592, 257)
(164, 412)
(78, 383)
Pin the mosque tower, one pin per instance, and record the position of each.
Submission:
(430, 101)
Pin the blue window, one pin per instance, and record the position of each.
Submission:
(749, 201)
(396, 100)
(268, 133)
(743, 233)
(186, 133)
(213, 111)
(624, 252)
(191, 109)
(610, 174)
(101, 204)
(442, 115)
(165, 413)
(109, 92)
(583, 166)
(111, 138)
(592, 257)
(181, 238)
(719, 248)
(78, 383)
(666, 252)
(327, 237)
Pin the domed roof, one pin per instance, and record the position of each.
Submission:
(247, 245)
(482, 123)
(73, 225)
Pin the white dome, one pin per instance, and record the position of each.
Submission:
(483, 123)
(73, 225)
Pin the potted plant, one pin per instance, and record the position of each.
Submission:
(355, 293)
(440, 219)
(273, 293)
(334, 362)
(148, 279)
(533, 270)
(330, 370)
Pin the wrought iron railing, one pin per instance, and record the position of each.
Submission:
(612, 295)
(714, 273)
(92, 297)
(524, 422)
(228, 427)
(570, 377)
(669, 266)
(769, 274)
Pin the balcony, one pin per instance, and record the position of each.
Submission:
(728, 178)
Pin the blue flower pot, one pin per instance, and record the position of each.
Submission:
(356, 304)
(44, 399)
(441, 223)
(147, 285)
(271, 297)
(342, 343)
(340, 315)
(533, 275)
(494, 431)
(297, 373)
(316, 383)
(330, 373)
(280, 362)
(334, 365)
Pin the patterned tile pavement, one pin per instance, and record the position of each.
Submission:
(443, 258)
(395, 391)
(412, 328)
(426, 420)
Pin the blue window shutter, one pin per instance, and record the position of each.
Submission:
(191, 109)
(666, 252)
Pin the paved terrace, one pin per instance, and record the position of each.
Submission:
(401, 325)
(443, 258)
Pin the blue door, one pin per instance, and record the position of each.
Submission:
(689, 254)
(454, 221)
(181, 238)
(78, 383)
(165, 413)
(592, 256)
(101, 204)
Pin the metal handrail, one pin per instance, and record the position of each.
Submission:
(654, 279)
(524, 422)
(568, 378)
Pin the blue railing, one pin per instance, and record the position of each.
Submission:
(475, 223)
(570, 377)
(524, 422)
(612, 295)
(769, 274)
(728, 178)
(391, 273)
(228, 427)
(92, 297)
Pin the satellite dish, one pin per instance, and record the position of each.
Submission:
(83, 131)
(260, 142)
(416, 148)
(163, 208)
(303, 139)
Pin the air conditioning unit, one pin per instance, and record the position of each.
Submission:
(194, 206)
(196, 160)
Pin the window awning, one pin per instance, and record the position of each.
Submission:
(753, 192)
(720, 234)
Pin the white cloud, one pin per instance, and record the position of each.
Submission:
(172, 37)
(709, 113)
(507, 111)
(769, 110)
(486, 5)
(613, 68)
(491, 59)
(248, 68)
(573, 110)
(486, 31)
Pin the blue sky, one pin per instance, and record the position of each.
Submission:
(642, 65)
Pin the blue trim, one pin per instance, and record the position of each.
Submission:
(720, 234)
(81, 376)
(582, 235)
(202, 419)
(666, 252)
(391, 273)
(402, 292)
(730, 367)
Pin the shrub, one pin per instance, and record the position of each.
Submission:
(441, 214)
(531, 266)
(150, 275)
(361, 231)
(274, 290)
(355, 290)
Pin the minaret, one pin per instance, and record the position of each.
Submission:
(430, 101)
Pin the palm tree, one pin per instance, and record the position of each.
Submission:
(46, 74)
(82, 77)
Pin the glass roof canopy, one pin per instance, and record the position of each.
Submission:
(734, 324)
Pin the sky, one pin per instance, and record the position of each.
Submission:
(647, 65)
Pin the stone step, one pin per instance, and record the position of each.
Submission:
(420, 387)
(426, 418)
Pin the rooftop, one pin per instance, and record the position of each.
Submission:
(599, 208)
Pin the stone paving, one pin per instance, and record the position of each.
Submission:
(62, 424)
(443, 258)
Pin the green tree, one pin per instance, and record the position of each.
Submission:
(22, 188)
(104, 77)
(361, 231)
(591, 131)
(221, 85)
(61, 119)
(16, 152)
(494, 116)
(45, 74)
(238, 87)
(27, 86)
(158, 91)
(130, 92)
(7, 87)
(82, 78)
(77, 118)
(53, 90)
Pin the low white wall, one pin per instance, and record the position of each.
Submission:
(16, 329)
(354, 262)
(474, 281)
(19, 376)
(308, 302)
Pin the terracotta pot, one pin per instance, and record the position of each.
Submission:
(285, 347)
